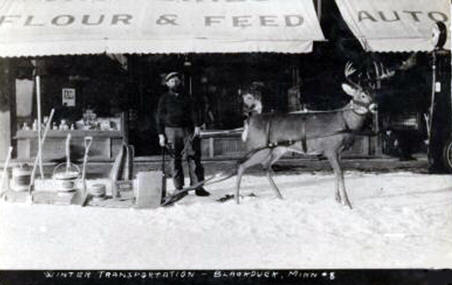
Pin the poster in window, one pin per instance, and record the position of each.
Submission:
(68, 97)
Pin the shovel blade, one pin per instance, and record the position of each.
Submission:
(77, 198)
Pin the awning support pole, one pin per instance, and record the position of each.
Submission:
(432, 103)
(38, 102)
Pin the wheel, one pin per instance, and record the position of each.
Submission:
(447, 155)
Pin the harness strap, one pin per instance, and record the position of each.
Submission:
(270, 144)
(360, 104)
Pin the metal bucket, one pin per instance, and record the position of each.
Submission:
(97, 190)
(64, 177)
(21, 177)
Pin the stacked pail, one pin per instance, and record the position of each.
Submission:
(98, 191)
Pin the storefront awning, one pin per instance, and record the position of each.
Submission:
(56, 27)
(395, 26)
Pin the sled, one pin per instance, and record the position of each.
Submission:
(171, 199)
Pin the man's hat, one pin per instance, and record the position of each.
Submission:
(172, 75)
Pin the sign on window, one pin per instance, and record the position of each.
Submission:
(68, 97)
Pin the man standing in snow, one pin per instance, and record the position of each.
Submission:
(179, 129)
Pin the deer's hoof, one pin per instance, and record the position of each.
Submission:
(348, 204)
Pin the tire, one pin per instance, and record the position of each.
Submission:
(447, 155)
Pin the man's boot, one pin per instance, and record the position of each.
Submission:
(201, 192)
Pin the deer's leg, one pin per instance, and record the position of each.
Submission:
(272, 183)
(254, 159)
(241, 169)
(345, 199)
(336, 168)
(341, 192)
(275, 155)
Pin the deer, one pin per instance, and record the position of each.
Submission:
(327, 133)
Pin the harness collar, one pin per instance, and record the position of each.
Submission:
(354, 103)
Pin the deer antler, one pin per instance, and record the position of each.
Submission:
(382, 72)
(409, 62)
(370, 82)
(349, 70)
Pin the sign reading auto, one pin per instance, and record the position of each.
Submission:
(406, 15)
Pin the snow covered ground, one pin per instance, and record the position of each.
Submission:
(400, 219)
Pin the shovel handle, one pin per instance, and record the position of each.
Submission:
(43, 139)
(87, 141)
(68, 152)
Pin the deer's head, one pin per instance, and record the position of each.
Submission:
(363, 98)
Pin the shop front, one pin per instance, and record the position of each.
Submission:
(101, 65)
(216, 82)
(112, 95)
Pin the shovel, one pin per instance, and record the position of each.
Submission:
(35, 164)
(81, 196)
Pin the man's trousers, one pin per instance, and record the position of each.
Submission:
(183, 146)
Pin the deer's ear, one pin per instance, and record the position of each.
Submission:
(348, 89)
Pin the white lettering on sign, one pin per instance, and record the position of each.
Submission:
(394, 16)
(68, 97)
(65, 20)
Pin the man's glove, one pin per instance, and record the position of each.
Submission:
(161, 140)
(197, 131)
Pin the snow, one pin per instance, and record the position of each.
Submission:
(400, 219)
